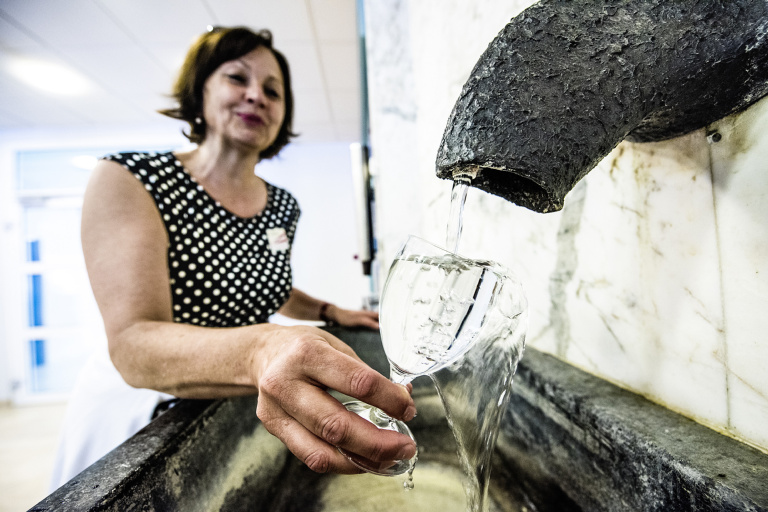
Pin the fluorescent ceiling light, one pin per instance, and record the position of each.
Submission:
(48, 76)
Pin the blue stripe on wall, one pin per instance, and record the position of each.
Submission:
(37, 352)
(35, 300)
(33, 250)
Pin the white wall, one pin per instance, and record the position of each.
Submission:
(319, 175)
(654, 275)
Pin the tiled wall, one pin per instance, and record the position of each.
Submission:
(654, 275)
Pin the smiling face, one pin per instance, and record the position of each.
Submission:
(244, 101)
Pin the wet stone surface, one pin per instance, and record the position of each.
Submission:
(569, 442)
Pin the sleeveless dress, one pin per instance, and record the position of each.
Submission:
(225, 271)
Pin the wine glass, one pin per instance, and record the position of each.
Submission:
(434, 306)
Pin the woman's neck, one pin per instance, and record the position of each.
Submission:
(213, 160)
(227, 175)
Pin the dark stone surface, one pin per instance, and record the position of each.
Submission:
(569, 442)
(181, 461)
(603, 448)
(128, 464)
(565, 81)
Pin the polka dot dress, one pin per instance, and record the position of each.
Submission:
(225, 270)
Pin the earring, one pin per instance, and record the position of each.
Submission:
(198, 120)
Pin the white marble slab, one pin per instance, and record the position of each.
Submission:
(645, 304)
(654, 276)
(393, 135)
(740, 168)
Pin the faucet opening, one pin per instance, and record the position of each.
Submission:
(465, 174)
(503, 183)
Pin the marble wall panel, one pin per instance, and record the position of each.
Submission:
(653, 275)
(740, 168)
(393, 115)
(645, 308)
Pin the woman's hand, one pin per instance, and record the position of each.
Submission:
(294, 368)
(353, 318)
(303, 307)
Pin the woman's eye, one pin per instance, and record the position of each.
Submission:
(272, 93)
(237, 78)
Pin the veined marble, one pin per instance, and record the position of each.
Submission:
(740, 179)
(654, 275)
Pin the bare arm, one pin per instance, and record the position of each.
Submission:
(125, 248)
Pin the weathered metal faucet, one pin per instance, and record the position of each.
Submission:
(566, 81)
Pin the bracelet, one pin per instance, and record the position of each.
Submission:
(324, 314)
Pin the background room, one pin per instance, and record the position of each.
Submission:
(84, 78)
(653, 276)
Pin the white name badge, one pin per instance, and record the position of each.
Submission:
(278, 240)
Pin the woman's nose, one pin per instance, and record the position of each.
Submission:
(255, 94)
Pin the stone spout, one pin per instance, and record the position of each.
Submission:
(566, 81)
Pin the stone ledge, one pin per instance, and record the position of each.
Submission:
(569, 442)
(573, 441)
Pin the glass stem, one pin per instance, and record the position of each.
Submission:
(399, 377)
(383, 418)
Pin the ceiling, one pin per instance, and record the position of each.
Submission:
(129, 51)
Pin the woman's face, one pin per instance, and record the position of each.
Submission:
(244, 101)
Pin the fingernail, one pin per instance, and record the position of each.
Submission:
(409, 413)
(407, 452)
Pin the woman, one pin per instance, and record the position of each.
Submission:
(188, 261)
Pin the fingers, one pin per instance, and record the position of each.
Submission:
(318, 455)
(354, 378)
(370, 320)
(331, 424)
(294, 406)
(349, 318)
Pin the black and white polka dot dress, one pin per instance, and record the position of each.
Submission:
(225, 270)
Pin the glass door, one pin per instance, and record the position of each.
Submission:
(57, 323)
(62, 324)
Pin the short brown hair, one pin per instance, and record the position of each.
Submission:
(211, 50)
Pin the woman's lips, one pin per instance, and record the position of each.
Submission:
(251, 119)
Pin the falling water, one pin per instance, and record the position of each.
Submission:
(475, 393)
(455, 218)
(476, 389)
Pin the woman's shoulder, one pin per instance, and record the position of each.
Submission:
(280, 196)
(142, 158)
(157, 171)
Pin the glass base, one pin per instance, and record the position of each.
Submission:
(385, 422)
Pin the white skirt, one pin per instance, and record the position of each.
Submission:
(103, 411)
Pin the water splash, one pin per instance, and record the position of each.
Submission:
(475, 392)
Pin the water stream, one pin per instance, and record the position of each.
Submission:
(475, 390)
(455, 218)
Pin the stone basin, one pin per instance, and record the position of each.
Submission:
(569, 442)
